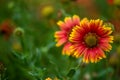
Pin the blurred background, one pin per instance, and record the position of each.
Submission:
(27, 44)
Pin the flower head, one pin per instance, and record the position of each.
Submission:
(17, 46)
(6, 29)
(19, 32)
(47, 10)
(110, 2)
(48, 78)
(90, 40)
(62, 36)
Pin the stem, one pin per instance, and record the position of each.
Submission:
(107, 65)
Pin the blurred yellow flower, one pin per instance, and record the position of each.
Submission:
(47, 10)
(48, 78)
(117, 2)
(17, 46)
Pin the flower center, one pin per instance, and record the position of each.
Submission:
(90, 40)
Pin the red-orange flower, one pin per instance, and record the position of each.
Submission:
(111, 2)
(6, 28)
(91, 39)
(65, 29)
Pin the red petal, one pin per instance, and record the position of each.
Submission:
(61, 41)
(79, 50)
(76, 20)
(66, 49)
(86, 56)
(105, 46)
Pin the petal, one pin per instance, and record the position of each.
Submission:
(76, 20)
(61, 41)
(105, 46)
(62, 25)
(108, 39)
(86, 55)
(76, 34)
(60, 34)
(73, 47)
(104, 31)
(98, 22)
(68, 22)
(79, 51)
(84, 21)
(95, 54)
(66, 49)
(92, 55)
(93, 27)
(100, 53)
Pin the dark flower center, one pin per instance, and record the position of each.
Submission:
(91, 39)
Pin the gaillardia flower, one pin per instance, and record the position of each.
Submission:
(62, 36)
(6, 28)
(91, 40)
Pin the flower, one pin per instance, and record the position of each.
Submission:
(114, 2)
(90, 40)
(117, 2)
(6, 29)
(19, 32)
(110, 2)
(62, 36)
(48, 78)
(17, 46)
(47, 10)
